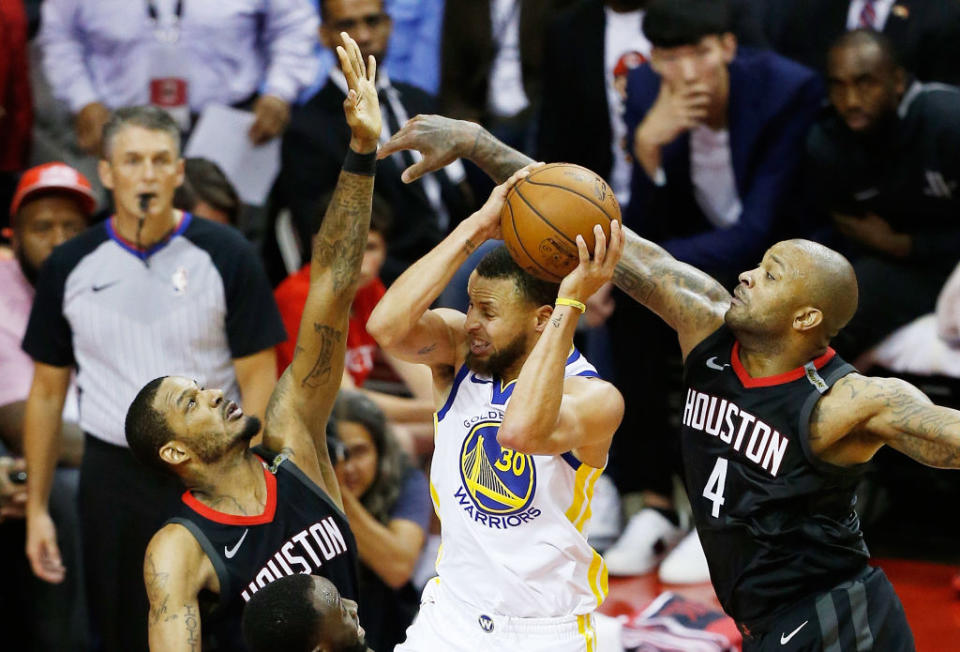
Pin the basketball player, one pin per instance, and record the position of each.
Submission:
(776, 427)
(523, 426)
(248, 520)
(302, 613)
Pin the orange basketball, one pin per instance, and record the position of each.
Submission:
(545, 212)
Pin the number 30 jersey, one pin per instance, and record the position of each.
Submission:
(511, 524)
(776, 522)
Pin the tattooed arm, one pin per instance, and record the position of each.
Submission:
(901, 416)
(690, 301)
(442, 140)
(301, 403)
(402, 322)
(175, 570)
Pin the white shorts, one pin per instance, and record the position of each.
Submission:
(445, 623)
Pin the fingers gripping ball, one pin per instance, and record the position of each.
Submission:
(544, 213)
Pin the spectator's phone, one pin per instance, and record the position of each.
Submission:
(17, 477)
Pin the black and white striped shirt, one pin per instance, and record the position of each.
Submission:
(187, 306)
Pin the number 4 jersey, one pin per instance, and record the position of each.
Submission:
(511, 524)
(777, 523)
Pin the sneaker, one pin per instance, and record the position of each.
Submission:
(649, 535)
(604, 526)
(686, 564)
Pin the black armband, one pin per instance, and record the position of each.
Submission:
(365, 164)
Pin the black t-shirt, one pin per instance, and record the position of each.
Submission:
(777, 523)
(300, 531)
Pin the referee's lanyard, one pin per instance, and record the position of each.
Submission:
(168, 64)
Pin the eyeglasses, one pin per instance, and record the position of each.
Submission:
(371, 21)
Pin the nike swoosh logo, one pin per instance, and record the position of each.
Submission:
(785, 638)
(230, 552)
(97, 288)
(712, 363)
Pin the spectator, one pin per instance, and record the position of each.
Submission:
(925, 34)
(52, 203)
(178, 55)
(317, 141)
(887, 169)
(411, 418)
(491, 63)
(717, 133)
(16, 106)
(414, 53)
(387, 502)
(149, 291)
(207, 192)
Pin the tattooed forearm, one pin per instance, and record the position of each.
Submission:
(339, 244)
(926, 432)
(497, 160)
(320, 372)
(682, 295)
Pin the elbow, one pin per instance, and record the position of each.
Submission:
(519, 440)
(380, 331)
(399, 573)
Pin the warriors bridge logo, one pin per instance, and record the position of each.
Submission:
(499, 482)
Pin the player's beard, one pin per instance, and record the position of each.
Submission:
(251, 426)
(498, 363)
(209, 450)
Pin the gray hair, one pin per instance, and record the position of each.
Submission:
(147, 117)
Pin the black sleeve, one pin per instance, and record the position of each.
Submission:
(253, 320)
(48, 338)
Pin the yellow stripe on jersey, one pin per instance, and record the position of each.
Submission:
(435, 499)
(579, 492)
(597, 578)
(436, 426)
(591, 483)
(585, 627)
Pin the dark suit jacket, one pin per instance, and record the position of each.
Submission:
(575, 115)
(313, 150)
(773, 102)
(469, 49)
(925, 33)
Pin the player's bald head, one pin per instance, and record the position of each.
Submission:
(829, 282)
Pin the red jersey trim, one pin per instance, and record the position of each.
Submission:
(235, 519)
(768, 381)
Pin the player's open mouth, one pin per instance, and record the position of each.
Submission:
(233, 411)
(478, 347)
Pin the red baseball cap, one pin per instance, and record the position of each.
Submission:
(54, 176)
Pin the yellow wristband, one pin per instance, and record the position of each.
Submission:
(573, 303)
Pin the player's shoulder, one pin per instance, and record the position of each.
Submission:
(174, 541)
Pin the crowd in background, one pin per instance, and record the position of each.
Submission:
(835, 121)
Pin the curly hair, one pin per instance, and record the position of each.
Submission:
(392, 462)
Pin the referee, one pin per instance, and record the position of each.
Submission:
(150, 291)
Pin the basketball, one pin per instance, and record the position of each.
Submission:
(545, 212)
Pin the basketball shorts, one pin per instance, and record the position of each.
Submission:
(445, 623)
(861, 615)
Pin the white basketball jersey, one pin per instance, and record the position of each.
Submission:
(511, 524)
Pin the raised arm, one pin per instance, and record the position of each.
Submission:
(175, 570)
(549, 414)
(443, 140)
(690, 301)
(301, 403)
(892, 412)
(403, 324)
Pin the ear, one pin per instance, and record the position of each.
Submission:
(105, 171)
(181, 170)
(174, 453)
(900, 81)
(543, 316)
(807, 319)
(729, 44)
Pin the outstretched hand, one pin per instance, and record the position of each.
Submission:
(362, 106)
(439, 140)
(592, 273)
(489, 214)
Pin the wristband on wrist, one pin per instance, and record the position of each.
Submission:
(573, 303)
(365, 164)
